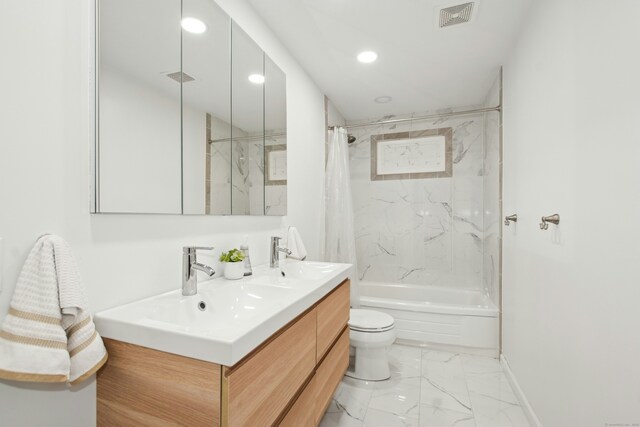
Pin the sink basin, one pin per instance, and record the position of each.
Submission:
(310, 270)
(226, 319)
(292, 274)
(214, 309)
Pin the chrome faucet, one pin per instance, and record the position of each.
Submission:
(275, 251)
(189, 267)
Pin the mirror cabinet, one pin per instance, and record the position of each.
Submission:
(190, 113)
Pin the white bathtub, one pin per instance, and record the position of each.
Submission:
(432, 316)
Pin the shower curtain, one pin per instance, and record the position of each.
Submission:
(340, 241)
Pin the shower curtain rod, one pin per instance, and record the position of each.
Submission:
(248, 138)
(431, 116)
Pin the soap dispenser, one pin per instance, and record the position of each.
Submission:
(247, 261)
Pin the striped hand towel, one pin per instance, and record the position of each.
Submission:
(48, 334)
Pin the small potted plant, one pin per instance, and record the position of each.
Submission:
(233, 265)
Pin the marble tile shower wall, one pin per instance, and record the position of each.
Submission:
(492, 241)
(275, 196)
(239, 179)
(421, 231)
(220, 168)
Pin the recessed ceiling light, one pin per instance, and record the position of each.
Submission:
(193, 25)
(383, 99)
(256, 78)
(367, 56)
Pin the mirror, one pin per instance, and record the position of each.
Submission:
(138, 150)
(186, 112)
(206, 110)
(275, 140)
(247, 132)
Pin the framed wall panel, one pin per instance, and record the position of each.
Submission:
(412, 155)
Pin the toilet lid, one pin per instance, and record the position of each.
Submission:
(369, 320)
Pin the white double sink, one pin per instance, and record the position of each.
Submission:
(226, 319)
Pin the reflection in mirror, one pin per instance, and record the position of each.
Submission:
(247, 132)
(275, 120)
(138, 143)
(184, 99)
(206, 111)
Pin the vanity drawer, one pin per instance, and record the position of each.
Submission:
(144, 387)
(259, 388)
(333, 315)
(314, 400)
(302, 413)
(330, 373)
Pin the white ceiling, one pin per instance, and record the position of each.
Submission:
(421, 66)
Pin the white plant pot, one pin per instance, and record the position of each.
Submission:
(234, 270)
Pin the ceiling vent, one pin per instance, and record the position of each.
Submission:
(176, 76)
(454, 15)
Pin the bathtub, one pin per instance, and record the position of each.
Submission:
(438, 317)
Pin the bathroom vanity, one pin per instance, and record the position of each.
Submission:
(265, 350)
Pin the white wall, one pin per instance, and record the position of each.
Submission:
(333, 115)
(571, 146)
(44, 183)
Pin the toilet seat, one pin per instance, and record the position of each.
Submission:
(370, 321)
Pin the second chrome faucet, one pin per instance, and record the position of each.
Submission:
(275, 251)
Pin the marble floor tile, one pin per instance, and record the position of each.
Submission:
(480, 365)
(494, 402)
(440, 356)
(405, 361)
(353, 397)
(490, 412)
(438, 417)
(445, 394)
(334, 417)
(429, 389)
(439, 365)
(443, 382)
(400, 396)
(494, 385)
(405, 352)
(377, 418)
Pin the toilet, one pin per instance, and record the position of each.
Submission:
(370, 333)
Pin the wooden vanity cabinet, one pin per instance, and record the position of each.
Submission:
(144, 387)
(261, 388)
(333, 315)
(310, 406)
(288, 380)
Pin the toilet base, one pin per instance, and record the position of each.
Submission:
(370, 364)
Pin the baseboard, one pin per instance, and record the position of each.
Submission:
(524, 403)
